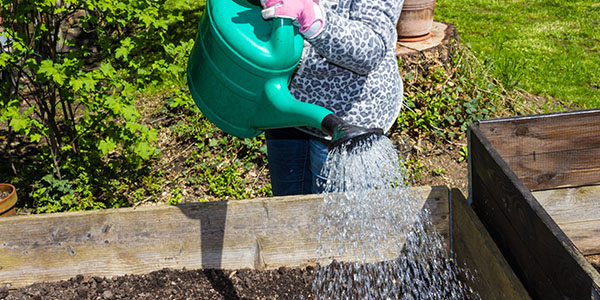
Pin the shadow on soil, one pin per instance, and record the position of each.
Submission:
(212, 217)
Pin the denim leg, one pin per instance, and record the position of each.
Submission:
(289, 166)
(318, 156)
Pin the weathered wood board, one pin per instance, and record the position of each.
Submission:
(473, 247)
(549, 151)
(257, 233)
(541, 254)
(577, 213)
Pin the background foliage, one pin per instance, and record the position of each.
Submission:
(71, 74)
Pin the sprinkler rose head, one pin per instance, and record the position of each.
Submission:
(346, 135)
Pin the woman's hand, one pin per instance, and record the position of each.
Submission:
(306, 14)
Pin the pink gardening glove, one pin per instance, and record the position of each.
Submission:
(306, 14)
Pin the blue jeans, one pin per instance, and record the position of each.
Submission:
(296, 166)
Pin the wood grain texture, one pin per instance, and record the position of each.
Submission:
(523, 263)
(438, 205)
(473, 247)
(536, 248)
(549, 151)
(577, 213)
(257, 233)
(568, 168)
(543, 133)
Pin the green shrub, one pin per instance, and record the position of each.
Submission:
(74, 95)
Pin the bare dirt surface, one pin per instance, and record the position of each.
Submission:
(441, 162)
(283, 283)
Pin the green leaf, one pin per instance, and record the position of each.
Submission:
(89, 82)
(122, 52)
(35, 137)
(4, 59)
(132, 126)
(129, 112)
(143, 149)
(147, 19)
(114, 104)
(175, 69)
(47, 68)
(18, 124)
(161, 23)
(106, 146)
(50, 70)
(107, 69)
(128, 90)
(76, 83)
(152, 134)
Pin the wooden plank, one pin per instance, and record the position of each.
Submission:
(569, 168)
(473, 247)
(535, 247)
(551, 150)
(258, 233)
(439, 207)
(543, 133)
(523, 263)
(577, 213)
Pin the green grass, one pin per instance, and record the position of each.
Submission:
(548, 48)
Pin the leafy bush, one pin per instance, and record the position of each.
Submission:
(71, 73)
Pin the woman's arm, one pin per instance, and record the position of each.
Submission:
(359, 42)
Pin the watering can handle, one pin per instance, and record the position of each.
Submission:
(282, 39)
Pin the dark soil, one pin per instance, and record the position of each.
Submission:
(283, 283)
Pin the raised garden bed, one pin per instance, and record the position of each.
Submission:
(535, 185)
(247, 249)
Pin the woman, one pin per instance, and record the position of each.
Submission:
(349, 67)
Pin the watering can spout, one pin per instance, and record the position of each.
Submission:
(284, 111)
(348, 136)
(281, 109)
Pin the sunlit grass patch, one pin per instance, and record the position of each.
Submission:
(549, 48)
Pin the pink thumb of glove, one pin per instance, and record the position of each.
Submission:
(305, 13)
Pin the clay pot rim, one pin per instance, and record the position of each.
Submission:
(14, 190)
(415, 38)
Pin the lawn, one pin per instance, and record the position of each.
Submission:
(548, 48)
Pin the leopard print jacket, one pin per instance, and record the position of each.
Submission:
(350, 67)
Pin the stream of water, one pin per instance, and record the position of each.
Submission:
(370, 217)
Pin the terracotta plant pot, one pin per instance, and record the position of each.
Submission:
(7, 204)
(416, 20)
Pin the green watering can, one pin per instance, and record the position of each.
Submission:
(239, 71)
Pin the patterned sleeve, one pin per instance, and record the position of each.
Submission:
(359, 42)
